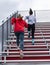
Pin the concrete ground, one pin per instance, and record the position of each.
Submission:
(28, 63)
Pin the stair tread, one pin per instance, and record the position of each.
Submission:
(30, 46)
(27, 52)
(28, 55)
(39, 50)
(28, 40)
(43, 49)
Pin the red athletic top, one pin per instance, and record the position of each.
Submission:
(19, 24)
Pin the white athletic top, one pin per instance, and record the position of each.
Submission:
(31, 19)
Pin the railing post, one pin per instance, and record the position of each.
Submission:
(7, 28)
(16, 14)
(35, 15)
(2, 34)
(10, 23)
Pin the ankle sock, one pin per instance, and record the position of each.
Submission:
(32, 41)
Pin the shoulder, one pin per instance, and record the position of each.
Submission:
(13, 19)
(32, 16)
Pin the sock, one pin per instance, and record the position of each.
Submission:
(28, 31)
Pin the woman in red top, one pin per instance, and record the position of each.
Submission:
(19, 25)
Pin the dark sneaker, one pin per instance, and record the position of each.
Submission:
(28, 35)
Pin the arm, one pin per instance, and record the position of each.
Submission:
(13, 20)
(26, 25)
(27, 17)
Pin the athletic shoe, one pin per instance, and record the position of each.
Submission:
(21, 54)
(32, 41)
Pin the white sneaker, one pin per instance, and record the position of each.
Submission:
(21, 54)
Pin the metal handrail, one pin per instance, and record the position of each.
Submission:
(6, 29)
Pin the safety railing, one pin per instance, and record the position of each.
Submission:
(5, 30)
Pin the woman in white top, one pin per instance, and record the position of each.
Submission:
(31, 24)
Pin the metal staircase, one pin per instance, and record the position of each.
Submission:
(40, 51)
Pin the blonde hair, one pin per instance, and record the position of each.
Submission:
(19, 16)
